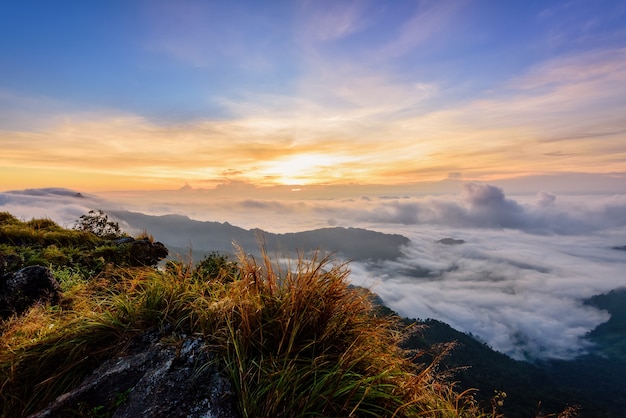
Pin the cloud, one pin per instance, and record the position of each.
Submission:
(47, 192)
(565, 115)
(545, 199)
(477, 206)
(602, 65)
(522, 294)
(485, 206)
(517, 282)
(63, 206)
(549, 95)
(428, 22)
(330, 20)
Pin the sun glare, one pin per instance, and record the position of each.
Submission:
(304, 169)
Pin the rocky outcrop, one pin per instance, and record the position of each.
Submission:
(143, 252)
(156, 380)
(30, 285)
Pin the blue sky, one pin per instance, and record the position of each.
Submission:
(156, 94)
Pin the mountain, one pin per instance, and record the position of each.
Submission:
(180, 233)
(609, 336)
(593, 382)
(531, 390)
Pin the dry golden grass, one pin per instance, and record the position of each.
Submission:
(294, 338)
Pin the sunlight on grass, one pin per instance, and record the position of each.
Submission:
(293, 337)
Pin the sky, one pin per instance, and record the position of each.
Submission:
(304, 95)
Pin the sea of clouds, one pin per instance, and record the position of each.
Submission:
(517, 282)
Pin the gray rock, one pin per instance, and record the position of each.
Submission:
(157, 381)
(28, 286)
(145, 253)
(124, 240)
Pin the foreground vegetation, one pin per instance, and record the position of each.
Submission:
(294, 338)
(81, 252)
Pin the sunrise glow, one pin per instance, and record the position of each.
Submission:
(325, 93)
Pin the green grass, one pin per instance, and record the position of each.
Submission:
(43, 242)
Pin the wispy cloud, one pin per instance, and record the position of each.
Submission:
(429, 21)
(330, 20)
(598, 66)
(208, 35)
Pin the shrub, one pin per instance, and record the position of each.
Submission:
(54, 255)
(7, 219)
(43, 224)
(97, 222)
(215, 266)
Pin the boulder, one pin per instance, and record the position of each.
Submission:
(124, 240)
(146, 253)
(26, 287)
(156, 380)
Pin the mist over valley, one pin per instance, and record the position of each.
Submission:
(516, 276)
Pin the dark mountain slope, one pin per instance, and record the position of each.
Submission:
(592, 382)
(181, 233)
(611, 336)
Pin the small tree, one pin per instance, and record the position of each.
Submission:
(97, 222)
(216, 265)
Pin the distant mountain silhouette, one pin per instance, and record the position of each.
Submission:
(451, 241)
(609, 336)
(180, 233)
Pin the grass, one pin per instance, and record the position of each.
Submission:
(48, 352)
(292, 336)
(43, 242)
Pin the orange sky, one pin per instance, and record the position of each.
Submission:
(344, 107)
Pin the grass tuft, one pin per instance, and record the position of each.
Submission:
(294, 338)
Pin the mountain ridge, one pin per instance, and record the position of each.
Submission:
(179, 232)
